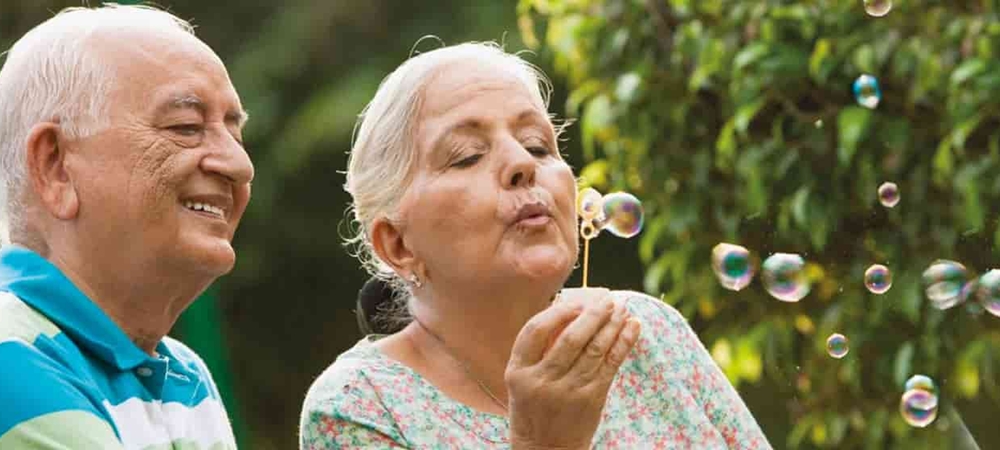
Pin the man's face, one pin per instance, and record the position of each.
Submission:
(165, 184)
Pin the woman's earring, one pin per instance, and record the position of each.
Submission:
(415, 281)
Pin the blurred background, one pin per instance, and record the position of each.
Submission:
(733, 121)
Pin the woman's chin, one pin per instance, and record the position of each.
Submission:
(545, 264)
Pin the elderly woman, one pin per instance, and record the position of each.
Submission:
(462, 198)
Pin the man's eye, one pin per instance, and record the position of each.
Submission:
(187, 129)
(468, 161)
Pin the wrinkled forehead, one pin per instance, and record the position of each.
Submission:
(458, 82)
(145, 64)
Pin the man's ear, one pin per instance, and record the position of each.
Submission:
(48, 174)
(390, 247)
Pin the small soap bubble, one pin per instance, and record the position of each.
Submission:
(589, 229)
(944, 282)
(732, 266)
(818, 123)
(837, 345)
(918, 407)
(923, 382)
(878, 8)
(588, 204)
(623, 214)
(888, 194)
(989, 292)
(878, 279)
(867, 92)
(784, 277)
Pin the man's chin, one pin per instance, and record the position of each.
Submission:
(215, 258)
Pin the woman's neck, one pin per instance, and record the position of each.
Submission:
(475, 335)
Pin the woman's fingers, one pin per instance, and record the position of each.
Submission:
(626, 341)
(576, 336)
(533, 340)
(593, 355)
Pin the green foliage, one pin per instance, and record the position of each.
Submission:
(734, 121)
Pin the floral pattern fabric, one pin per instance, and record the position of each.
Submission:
(668, 394)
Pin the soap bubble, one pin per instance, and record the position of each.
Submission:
(878, 8)
(867, 92)
(588, 203)
(837, 345)
(784, 277)
(623, 214)
(888, 194)
(878, 279)
(989, 291)
(589, 229)
(944, 281)
(732, 266)
(918, 407)
(923, 382)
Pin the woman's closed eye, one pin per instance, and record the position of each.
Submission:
(538, 151)
(467, 161)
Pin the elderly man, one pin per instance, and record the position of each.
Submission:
(123, 181)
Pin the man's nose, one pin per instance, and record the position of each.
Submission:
(229, 159)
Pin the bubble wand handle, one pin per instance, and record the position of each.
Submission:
(586, 259)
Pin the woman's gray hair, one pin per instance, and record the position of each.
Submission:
(54, 74)
(380, 166)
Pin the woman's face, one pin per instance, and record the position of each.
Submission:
(491, 203)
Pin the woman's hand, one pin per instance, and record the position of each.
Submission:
(561, 367)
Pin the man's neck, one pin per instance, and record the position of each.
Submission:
(142, 304)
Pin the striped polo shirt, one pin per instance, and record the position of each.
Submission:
(70, 378)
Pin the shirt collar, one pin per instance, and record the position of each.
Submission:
(41, 284)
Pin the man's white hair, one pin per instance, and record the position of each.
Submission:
(54, 73)
(380, 165)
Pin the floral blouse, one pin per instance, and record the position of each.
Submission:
(668, 394)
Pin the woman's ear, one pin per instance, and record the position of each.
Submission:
(47, 172)
(390, 247)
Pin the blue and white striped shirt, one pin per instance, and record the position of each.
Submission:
(71, 378)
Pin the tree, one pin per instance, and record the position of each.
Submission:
(734, 121)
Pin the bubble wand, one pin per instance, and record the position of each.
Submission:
(619, 212)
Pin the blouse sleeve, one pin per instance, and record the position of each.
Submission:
(668, 329)
(346, 416)
(325, 431)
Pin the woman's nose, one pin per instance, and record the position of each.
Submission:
(520, 171)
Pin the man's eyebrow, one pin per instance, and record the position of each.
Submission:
(239, 117)
(187, 101)
(191, 101)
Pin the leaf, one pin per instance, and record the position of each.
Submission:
(967, 70)
(852, 126)
(944, 162)
(725, 146)
(595, 119)
(749, 55)
(627, 87)
(595, 175)
(903, 365)
(709, 63)
(818, 61)
(864, 59)
(966, 376)
(745, 114)
(654, 274)
(650, 237)
(800, 206)
(579, 95)
(964, 129)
